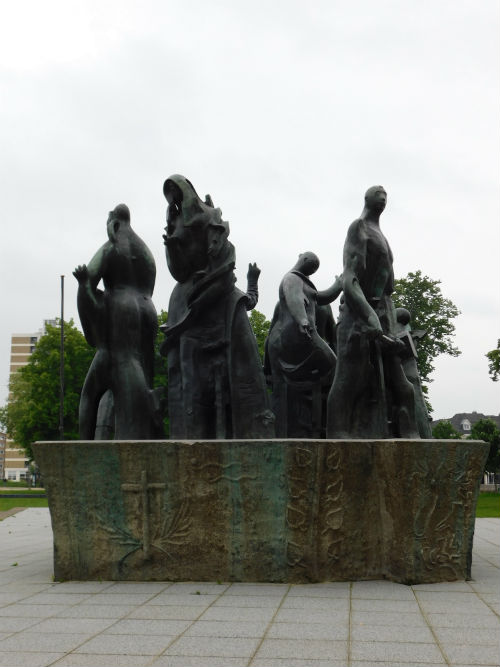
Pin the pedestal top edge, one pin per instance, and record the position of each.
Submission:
(260, 440)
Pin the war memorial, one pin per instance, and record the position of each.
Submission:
(317, 466)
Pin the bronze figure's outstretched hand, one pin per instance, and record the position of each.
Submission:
(81, 273)
(253, 272)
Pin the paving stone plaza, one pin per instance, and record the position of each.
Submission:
(359, 624)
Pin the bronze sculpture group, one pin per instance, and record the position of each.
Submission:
(356, 378)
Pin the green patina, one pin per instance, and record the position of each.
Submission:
(98, 499)
(265, 510)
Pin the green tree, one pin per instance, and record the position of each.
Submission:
(431, 312)
(160, 378)
(160, 362)
(33, 410)
(260, 328)
(494, 362)
(487, 430)
(444, 430)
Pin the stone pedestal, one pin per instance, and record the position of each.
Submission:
(263, 510)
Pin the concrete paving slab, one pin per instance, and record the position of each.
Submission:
(167, 612)
(297, 615)
(196, 661)
(390, 633)
(468, 636)
(215, 647)
(187, 600)
(30, 610)
(316, 603)
(115, 611)
(130, 626)
(472, 655)
(256, 601)
(395, 606)
(95, 660)
(390, 618)
(305, 630)
(383, 663)
(196, 587)
(25, 658)
(227, 628)
(306, 649)
(258, 589)
(287, 662)
(43, 643)
(381, 590)
(126, 644)
(243, 614)
(90, 626)
(392, 651)
(487, 619)
(338, 589)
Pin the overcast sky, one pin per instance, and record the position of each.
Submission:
(285, 112)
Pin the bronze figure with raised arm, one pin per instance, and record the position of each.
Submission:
(121, 323)
(298, 358)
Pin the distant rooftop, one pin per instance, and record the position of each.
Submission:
(464, 421)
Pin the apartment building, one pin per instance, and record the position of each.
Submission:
(3, 442)
(15, 464)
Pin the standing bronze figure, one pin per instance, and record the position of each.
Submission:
(121, 323)
(216, 386)
(300, 361)
(370, 396)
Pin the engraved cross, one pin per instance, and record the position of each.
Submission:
(144, 488)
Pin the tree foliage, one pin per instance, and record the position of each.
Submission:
(494, 362)
(160, 378)
(260, 328)
(431, 312)
(444, 430)
(32, 412)
(160, 362)
(487, 430)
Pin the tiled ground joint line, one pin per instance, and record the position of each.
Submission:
(181, 634)
(429, 625)
(268, 627)
(349, 631)
(100, 632)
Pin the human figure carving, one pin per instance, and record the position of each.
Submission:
(300, 360)
(216, 387)
(409, 362)
(121, 323)
(370, 396)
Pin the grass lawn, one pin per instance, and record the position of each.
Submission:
(9, 503)
(488, 504)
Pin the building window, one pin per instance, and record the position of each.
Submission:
(11, 476)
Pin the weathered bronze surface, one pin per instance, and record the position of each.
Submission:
(371, 397)
(301, 362)
(263, 510)
(121, 323)
(216, 387)
(409, 363)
